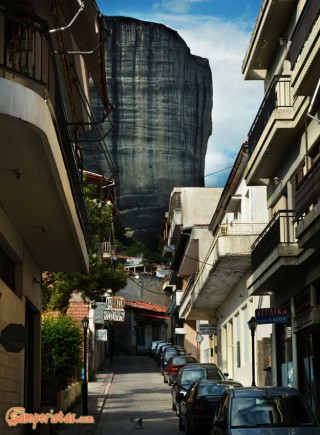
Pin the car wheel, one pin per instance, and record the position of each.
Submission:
(189, 431)
(177, 409)
(173, 406)
(181, 426)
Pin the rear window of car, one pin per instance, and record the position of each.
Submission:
(211, 389)
(214, 374)
(274, 411)
(190, 376)
(180, 360)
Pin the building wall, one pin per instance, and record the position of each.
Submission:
(13, 309)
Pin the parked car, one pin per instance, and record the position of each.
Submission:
(168, 353)
(198, 406)
(160, 350)
(152, 346)
(174, 364)
(273, 410)
(157, 346)
(187, 375)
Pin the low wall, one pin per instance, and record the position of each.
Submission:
(68, 397)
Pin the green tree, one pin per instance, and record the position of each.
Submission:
(61, 341)
(58, 287)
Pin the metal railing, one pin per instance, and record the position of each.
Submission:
(280, 230)
(278, 95)
(308, 191)
(25, 49)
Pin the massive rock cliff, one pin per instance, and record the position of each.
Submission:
(162, 118)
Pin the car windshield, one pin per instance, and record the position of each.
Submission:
(270, 411)
(211, 389)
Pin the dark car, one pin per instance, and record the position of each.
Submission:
(168, 353)
(187, 375)
(198, 406)
(265, 410)
(174, 364)
(160, 350)
(157, 346)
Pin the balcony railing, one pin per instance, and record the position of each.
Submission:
(278, 231)
(303, 29)
(307, 192)
(278, 95)
(25, 49)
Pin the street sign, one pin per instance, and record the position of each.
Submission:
(116, 315)
(271, 315)
(207, 329)
(13, 337)
(199, 338)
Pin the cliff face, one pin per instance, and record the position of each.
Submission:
(162, 118)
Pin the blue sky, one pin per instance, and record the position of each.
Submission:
(218, 30)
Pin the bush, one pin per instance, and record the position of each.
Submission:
(61, 344)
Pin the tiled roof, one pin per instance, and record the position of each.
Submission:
(146, 306)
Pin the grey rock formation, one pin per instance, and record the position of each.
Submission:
(162, 118)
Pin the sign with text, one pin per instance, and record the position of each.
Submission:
(271, 315)
(101, 335)
(115, 303)
(116, 315)
(207, 329)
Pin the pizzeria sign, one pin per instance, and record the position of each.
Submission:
(271, 315)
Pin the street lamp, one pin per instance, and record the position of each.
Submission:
(253, 326)
(85, 324)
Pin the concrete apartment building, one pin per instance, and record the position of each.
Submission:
(44, 67)
(216, 291)
(284, 143)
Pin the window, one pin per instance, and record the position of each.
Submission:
(7, 269)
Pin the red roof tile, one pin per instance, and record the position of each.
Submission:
(146, 306)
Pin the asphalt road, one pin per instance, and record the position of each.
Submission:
(138, 390)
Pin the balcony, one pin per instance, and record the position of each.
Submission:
(271, 25)
(304, 49)
(175, 302)
(274, 254)
(307, 320)
(228, 260)
(308, 209)
(271, 134)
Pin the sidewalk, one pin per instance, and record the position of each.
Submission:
(97, 394)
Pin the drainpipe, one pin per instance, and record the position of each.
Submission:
(294, 347)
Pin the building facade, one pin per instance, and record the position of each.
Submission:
(215, 292)
(43, 223)
(284, 145)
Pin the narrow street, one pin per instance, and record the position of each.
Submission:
(138, 390)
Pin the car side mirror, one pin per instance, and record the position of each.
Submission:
(226, 375)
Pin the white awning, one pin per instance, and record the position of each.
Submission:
(180, 331)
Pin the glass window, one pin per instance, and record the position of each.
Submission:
(284, 411)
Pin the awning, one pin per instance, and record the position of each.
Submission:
(180, 331)
(155, 316)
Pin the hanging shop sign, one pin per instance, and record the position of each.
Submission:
(207, 329)
(271, 315)
(101, 335)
